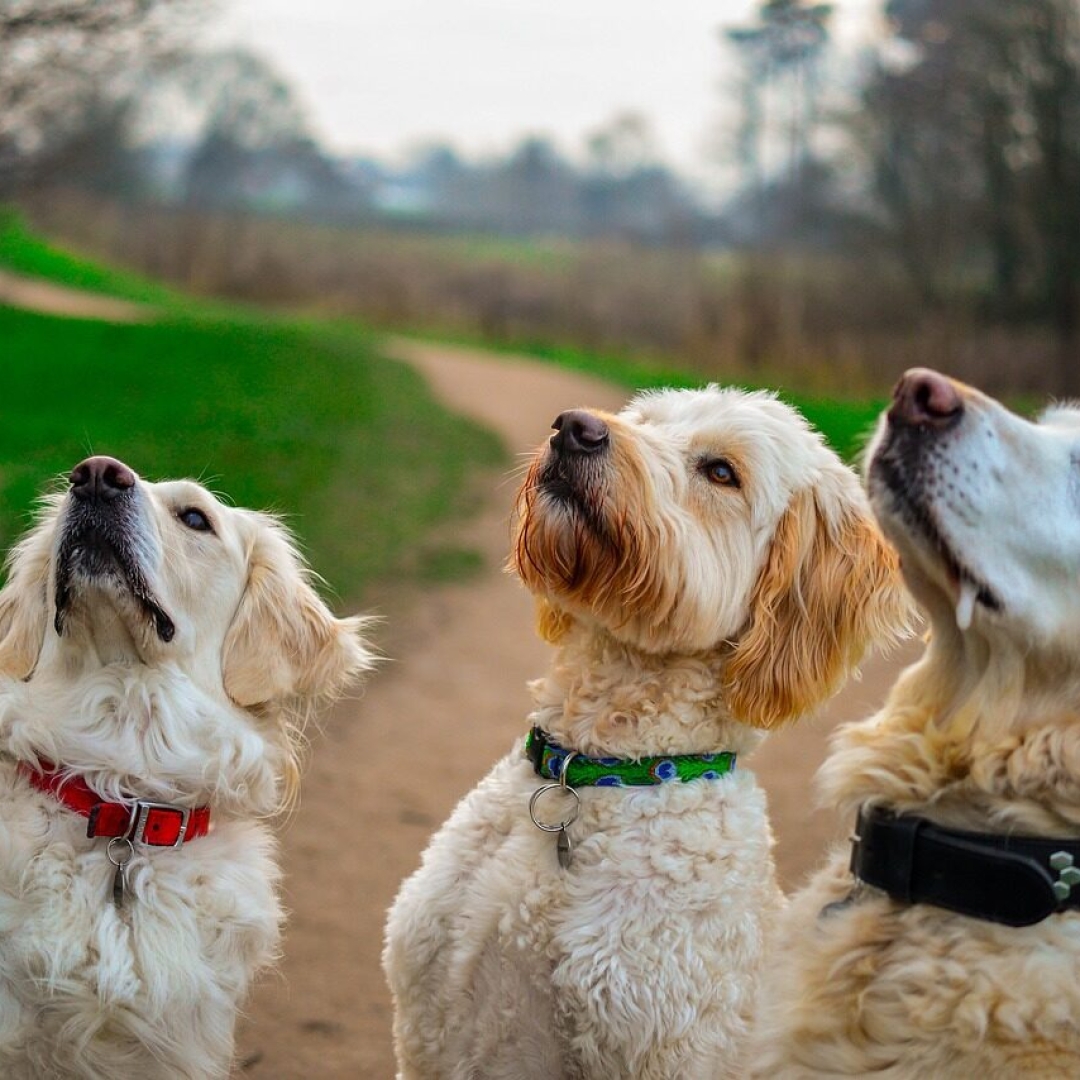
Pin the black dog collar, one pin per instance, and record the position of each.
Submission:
(1014, 880)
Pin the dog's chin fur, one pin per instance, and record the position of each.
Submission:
(661, 594)
(211, 715)
(982, 734)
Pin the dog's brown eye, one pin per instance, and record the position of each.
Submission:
(195, 519)
(719, 471)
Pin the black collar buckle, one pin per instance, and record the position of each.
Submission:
(1001, 878)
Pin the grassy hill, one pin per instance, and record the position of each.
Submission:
(304, 418)
(26, 253)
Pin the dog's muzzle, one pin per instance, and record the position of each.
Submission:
(100, 539)
(576, 453)
(925, 407)
(906, 464)
(579, 433)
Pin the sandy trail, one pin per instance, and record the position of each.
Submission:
(389, 767)
(51, 299)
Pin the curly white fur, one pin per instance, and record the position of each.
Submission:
(659, 574)
(151, 990)
(982, 734)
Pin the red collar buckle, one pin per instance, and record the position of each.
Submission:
(140, 821)
(154, 823)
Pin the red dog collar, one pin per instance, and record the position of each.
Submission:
(141, 822)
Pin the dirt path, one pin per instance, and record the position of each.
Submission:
(52, 299)
(389, 767)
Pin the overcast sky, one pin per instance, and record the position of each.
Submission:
(384, 76)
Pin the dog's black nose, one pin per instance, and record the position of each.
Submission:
(579, 432)
(100, 478)
(923, 398)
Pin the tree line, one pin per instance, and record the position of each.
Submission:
(950, 162)
(959, 153)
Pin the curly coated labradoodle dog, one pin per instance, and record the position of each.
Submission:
(706, 569)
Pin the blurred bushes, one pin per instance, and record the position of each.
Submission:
(816, 321)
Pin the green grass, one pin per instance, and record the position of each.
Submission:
(304, 419)
(26, 253)
(300, 417)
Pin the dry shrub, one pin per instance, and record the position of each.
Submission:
(823, 324)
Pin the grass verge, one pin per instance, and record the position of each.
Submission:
(304, 419)
(26, 253)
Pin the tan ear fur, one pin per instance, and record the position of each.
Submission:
(284, 643)
(552, 623)
(827, 590)
(24, 605)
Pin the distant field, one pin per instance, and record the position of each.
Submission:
(817, 324)
(844, 422)
(301, 418)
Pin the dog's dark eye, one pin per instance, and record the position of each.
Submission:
(195, 519)
(720, 471)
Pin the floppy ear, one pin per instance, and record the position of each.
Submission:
(552, 622)
(24, 604)
(283, 641)
(830, 586)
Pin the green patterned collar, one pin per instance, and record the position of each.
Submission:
(550, 760)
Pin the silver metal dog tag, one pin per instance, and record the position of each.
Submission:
(118, 886)
(563, 848)
(119, 856)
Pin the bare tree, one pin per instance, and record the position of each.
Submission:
(63, 62)
(975, 149)
(782, 51)
(256, 149)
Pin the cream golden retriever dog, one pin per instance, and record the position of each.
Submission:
(158, 654)
(956, 956)
(706, 569)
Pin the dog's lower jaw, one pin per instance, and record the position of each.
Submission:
(77, 597)
(915, 530)
(603, 697)
(599, 564)
(99, 627)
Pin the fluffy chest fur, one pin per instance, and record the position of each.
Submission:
(151, 989)
(864, 985)
(87, 988)
(657, 927)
